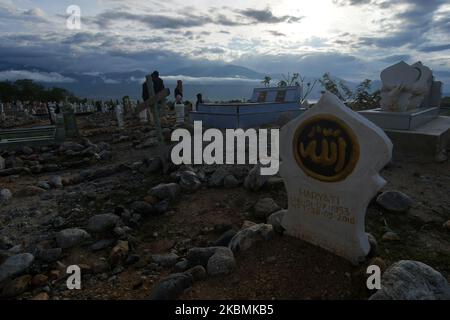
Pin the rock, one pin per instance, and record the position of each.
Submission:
(390, 236)
(119, 253)
(161, 207)
(230, 182)
(16, 287)
(247, 224)
(246, 238)
(49, 255)
(165, 260)
(264, 207)
(394, 201)
(152, 165)
(275, 220)
(56, 182)
(102, 223)
(172, 287)
(189, 181)
(44, 185)
(39, 280)
(412, 280)
(166, 191)
(15, 265)
(142, 208)
(218, 177)
(69, 238)
(198, 273)
(5, 196)
(200, 256)
(254, 180)
(225, 239)
(181, 266)
(102, 244)
(221, 263)
(31, 191)
(43, 296)
(447, 225)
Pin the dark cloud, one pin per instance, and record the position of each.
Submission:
(106, 18)
(187, 20)
(266, 16)
(396, 58)
(414, 24)
(276, 33)
(435, 48)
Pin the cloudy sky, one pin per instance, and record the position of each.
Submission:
(352, 39)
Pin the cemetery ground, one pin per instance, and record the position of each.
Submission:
(152, 238)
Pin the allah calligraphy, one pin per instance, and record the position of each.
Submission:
(326, 148)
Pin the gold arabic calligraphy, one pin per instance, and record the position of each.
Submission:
(332, 153)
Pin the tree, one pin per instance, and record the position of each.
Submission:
(361, 99)
(330, 85)
(266, 81)
(364, 98)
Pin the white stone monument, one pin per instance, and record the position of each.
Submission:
(409, 97)
(330, 161)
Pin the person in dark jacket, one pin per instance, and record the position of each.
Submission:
(158, 86)
(199, 100)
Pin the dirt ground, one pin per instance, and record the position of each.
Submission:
(283, 268)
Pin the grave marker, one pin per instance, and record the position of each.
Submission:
(331, 158)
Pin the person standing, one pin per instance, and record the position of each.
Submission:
(179, 92)
(152, 86)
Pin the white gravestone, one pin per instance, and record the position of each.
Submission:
(405, 86)
(331, 157)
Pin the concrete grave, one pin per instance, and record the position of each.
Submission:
(331, 158)
(409, 97)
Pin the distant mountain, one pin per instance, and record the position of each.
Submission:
(217, 71)
(218, 82)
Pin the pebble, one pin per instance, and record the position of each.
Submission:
(276, 219)
(172, 287)
(16, 287)
(222, 262)
(246, 238)
(5, 196)
(102, 244)
(119, 253)
(264, 207)
(395, 201)
(412, 280)
(166, 260)
(390, 236)
(101, 223)
(15, 265)
(166, 191)
(69, 238)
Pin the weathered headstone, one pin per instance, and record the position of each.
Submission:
(331, 158)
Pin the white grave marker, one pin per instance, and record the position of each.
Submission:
(331, 158)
